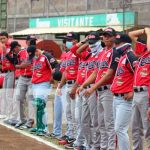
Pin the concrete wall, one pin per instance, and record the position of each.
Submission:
(19, 11)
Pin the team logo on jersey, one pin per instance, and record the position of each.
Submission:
(72, 71)
(42, 59)
(71, 62)
(101, 65)
(52, 60)
(63, 64)
(119, 81)
(120, 71)
(37, 66)
(38, 74)
(145, 61)
(91, 65)
(144, 72)
(82, 65)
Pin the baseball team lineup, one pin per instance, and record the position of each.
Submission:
(102, 89)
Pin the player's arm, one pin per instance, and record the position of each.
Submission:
(82, 48)
(135, 34)
(63, 80)
(23, 65)
(110, 72)
(73, 90)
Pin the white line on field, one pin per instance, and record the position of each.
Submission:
(33, 137)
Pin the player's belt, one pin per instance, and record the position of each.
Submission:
(27, 76)
(89, 86)
(119, 94)
(70, 82)
(6, 71)
(102, 88)
(140, 88)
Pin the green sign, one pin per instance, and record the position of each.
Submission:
(115, 19)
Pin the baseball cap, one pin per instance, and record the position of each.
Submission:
(72, 36)
(93, 37)
(14, 44)
(122, 38)
(109, 31)
(31, 37)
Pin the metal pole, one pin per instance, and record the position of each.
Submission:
(123, 8)
(86, 6)
(15, 15)
(48, 8)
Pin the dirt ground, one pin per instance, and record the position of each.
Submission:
(10, 140)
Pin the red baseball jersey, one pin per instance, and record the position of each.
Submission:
(124, 77)
(91, 65)
(42, 70)
(17, 73)
(63, 61)
(6, 64)
(82, 63)
(142, 72)
(71, 67)
(107, 59)
(23, 57)
(1, 80)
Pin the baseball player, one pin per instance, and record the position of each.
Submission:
(24, 86)
(103, 77)
(14, 114)
(8, 68)
(69, 76)
(140, 123)
(59, 102)
(42, 74)
(89, 119)
(80, 140)
(122, 88)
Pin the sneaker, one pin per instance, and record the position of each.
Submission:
(19, 124)
(52, 135)
(70, 146)
(66, 141)
(33, 130)
(29, 124)
(11, 122)
(70, 140)
(63, 137)
(63, 140)
(42, 133)
(80, 148)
